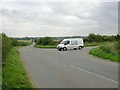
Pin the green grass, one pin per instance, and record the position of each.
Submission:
(91, 44)
(48, 46)
(105, 55)
(14, 74)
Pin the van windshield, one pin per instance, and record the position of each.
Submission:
(65, 42)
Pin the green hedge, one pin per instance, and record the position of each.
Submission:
(6, 46)
(46, 41)
(109, 51)
(8, 43)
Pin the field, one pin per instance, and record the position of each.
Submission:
(14, 74)
(108, 51)
(24, 42)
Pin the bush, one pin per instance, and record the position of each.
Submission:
(0, 45)
(23, 43)
(107, 51)
(112, 48)
(46, 41)
(92, 38)
(6, 46)
(14, 42)
(54, 43)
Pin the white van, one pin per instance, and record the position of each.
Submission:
(71, 43)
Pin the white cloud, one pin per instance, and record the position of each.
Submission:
(58, 18)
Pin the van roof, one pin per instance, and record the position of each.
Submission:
(71, 38)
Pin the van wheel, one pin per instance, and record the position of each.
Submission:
(74, 48)
(64, 49)
(80, 47)
(59, 49)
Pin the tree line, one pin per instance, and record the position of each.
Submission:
(99, 38)
(92, 38)
(8, 43)
(46, 41)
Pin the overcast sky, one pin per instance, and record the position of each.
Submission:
(50, 18)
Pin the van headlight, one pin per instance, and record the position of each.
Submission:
(59, 46)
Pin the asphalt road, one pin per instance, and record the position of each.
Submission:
(50, 68)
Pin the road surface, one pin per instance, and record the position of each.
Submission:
(50, 68)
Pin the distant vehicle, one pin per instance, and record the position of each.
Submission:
(71, 43)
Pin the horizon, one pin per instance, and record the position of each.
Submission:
(58, 36)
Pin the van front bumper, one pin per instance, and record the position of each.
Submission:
(59, 47)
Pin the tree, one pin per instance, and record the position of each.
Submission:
(44, 41)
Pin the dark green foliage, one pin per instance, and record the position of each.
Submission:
(112, 48)
(99, 38)
(109, 51)
(45, 41)
(23, 43)
(6, 45)
(55, 43)
(35, 40)
(13, 74)
(117, 37)
(14, 42)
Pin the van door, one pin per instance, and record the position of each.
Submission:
(74, 44)
(67, 45)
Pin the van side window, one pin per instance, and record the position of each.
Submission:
(74, 43)
(68, 42)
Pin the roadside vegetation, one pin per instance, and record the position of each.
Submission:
(97, 39)
(91, 40)
(108, 51)
(24, 42)
(46, 42)
(0, 61)
(108, 47)
(46, 46)
(14, 75)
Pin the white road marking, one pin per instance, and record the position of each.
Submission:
(93, 73)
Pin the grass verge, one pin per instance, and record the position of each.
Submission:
(107, 56)
(40, 46)
(14, 74)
